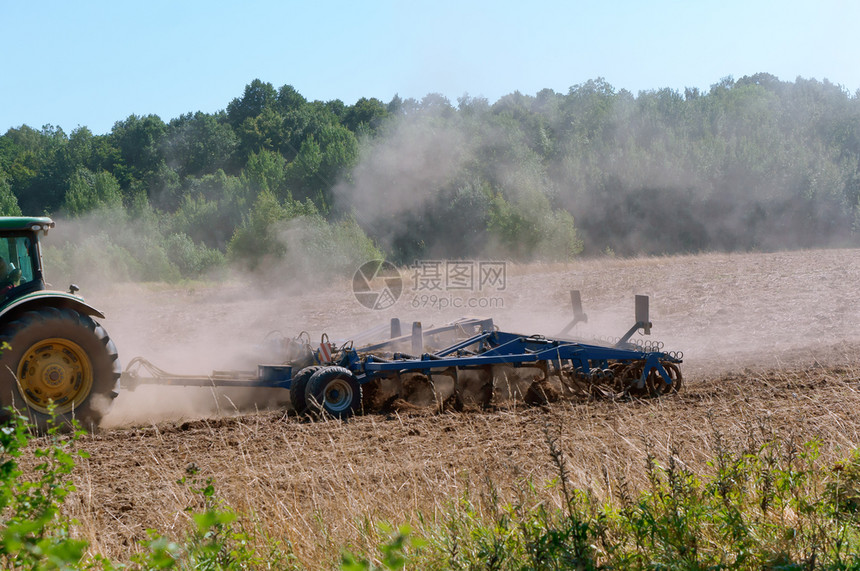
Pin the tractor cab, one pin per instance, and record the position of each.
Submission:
(20, 256)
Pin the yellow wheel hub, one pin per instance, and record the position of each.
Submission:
(55, 370)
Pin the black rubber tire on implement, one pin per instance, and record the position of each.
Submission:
(62, 356)
(297, 388)
(333, 391)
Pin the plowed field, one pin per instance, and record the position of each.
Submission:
(771, 344)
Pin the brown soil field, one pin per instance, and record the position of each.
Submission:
(771, 344)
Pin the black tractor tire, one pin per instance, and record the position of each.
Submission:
(297, 388)
(57, 356)
(333, 392)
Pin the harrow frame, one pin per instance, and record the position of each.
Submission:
(477, 345)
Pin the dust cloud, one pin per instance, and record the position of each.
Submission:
(400, 176)
(724, 311)
(186, 329)
(640, 186)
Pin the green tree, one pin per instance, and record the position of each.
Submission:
(322, 161)
(36, 173)
(265, 170)
(339, 155)
(302, 173)
(211, 209)
(199, 143)
(258, 96)
(140, 144)
(337, 108)
(254, 241)
(294, 233)
(192, 259)
(289, 99)
(531, 229)
(438, 104)
(369, 113)
(90, 191)
(8, 201)
(262, 132)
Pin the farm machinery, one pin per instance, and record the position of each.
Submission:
(468, 362)
(57, 361)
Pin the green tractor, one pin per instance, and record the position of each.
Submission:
(54, 355)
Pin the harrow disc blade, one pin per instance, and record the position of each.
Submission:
(475, 387)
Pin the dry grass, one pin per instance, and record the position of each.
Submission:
(321, 486)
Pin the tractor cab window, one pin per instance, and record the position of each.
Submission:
(16, 262)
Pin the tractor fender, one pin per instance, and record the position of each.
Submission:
(48, 298)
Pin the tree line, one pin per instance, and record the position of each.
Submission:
(754, 163)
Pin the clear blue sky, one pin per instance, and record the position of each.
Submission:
(91, 63)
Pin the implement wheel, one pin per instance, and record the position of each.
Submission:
(297, 388)
(655, 385)
(675, 374)
(59, 357)
(333, 391)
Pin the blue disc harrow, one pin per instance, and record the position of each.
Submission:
(468, 362)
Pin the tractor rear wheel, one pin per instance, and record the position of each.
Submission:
(57, 358)
(333, 391)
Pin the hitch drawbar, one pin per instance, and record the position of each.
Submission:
(467, 361)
